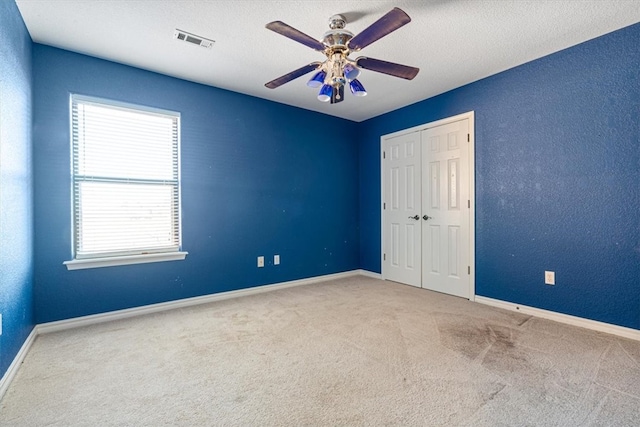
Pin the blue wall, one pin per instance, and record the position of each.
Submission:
(16, 194)
(258, 178)
(557, 184)
(557, 178)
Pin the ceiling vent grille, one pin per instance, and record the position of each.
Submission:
(192, 38)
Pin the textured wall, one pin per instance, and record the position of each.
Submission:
(557, 172)
(258, 178)
(16, 195)
(557, 178)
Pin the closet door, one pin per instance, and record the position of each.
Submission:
(402, 209)
(446, 208)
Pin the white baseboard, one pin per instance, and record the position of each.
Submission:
(370, 274)
(77, 322)
(17, 361)
(61, 325)
(608, 328)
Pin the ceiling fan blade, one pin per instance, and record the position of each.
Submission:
(290, 32)
(391, 68)
(293, 75)
(390, 22)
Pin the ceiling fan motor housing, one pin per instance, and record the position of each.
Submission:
(337, 50)
(337, 39)
(337, 22)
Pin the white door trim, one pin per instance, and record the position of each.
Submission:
(472, 189)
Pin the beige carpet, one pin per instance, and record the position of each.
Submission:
(349, 352)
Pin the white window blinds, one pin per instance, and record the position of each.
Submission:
(126, 188)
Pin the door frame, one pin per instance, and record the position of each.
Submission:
(472, 189)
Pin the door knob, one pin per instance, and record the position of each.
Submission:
(414, 217)
(426, 217)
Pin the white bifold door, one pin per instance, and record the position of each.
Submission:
(427, 208)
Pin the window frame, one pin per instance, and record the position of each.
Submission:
(123, 257)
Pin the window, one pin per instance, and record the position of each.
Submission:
(126, 184)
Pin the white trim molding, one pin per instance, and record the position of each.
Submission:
(80, 264)
(370, 274)
(469, 115)
(62, 325)
(17, 362)
(581, 322)
(76, 322)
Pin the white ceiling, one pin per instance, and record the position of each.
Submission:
(453, 42)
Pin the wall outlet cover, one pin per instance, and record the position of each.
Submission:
(549, 277)
(260, 261)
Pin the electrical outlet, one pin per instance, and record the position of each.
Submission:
(260, 261)
(276, 259)
(549, 278)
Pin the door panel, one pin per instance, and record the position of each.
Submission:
(426, 175)
(402, 233)
(445, 236)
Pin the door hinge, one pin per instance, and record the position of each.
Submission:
(384, 257)
(469, 269)
(384, 154)
(468, 137)
(469, 204)
(384, 206)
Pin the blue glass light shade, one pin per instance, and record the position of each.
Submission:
(356, 88)
(317, 80)
(325, 93)
(351, 72)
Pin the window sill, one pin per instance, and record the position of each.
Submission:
(80, 264)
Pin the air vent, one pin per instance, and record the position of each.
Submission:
(192, 38)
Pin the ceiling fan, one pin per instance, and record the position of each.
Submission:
(338, 69)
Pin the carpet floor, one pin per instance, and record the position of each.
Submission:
(349, 352)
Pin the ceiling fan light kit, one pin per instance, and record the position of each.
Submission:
(356, 88)
(338, 69)
(325, 94)
(317, 80)
(351, 72)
